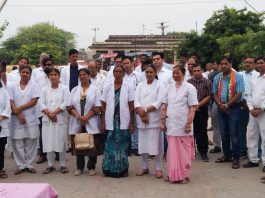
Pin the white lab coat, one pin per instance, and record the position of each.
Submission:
(99, 82)
(178, 102)
(54, 135)
(92, 100)
(41, 79)
(5, 110)
(126, 96)
(65, 75)
(21, 97)
(147, 95)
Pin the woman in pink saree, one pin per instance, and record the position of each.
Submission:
(179, 107)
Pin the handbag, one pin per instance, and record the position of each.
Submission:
(84, 141)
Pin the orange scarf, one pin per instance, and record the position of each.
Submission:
(231, 86)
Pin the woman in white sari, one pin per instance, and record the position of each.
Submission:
(53, 102)
(148, 101)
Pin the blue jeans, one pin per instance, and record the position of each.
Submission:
(229, 127)
(244, 118)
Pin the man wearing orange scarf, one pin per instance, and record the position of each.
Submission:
(228, 88)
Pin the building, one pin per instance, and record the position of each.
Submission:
(137, 44)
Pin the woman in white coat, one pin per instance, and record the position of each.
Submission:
(53, 103)
(24, 130)
(84, 108)
(148, 101)
(118, 120)
(5, 112)
(180, 104)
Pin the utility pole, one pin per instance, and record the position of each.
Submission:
(143, 28)
(162, 27)
(95, 34)
(2, 4)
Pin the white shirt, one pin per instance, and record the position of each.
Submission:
(147, 95)
(5, 110)
(165, 76)
(92, 100)
(138, 69)
(98, 81)
(42, 80)
(20, 97)
(187, 76)
(179, 102)
(248, 77)
(126, 96)
(133, 79)
(65, 75)
(15, 76)
(256, 98)
(61, 97)
(168, 66)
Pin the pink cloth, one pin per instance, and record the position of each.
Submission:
(180, 153)
(27, 190)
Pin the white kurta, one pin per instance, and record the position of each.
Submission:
(21, 97)
(5, 111)
(179, 100)
(147, 95)
(92, 100)
(54, 134)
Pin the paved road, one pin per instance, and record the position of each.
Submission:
(208, 180)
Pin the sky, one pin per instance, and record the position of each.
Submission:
(116, 17)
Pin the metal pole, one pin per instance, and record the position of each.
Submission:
(3, 5)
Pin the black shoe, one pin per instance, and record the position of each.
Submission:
(205, 157)
(41, 159)
(250, 165)
(263, 169)
(216, 149)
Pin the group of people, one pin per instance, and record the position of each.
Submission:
(155, 110)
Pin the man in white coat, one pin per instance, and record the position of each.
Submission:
(40, 77)
(69, 74)
(97, 79)
(256, 126)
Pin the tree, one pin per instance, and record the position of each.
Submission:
(31, 41)
(225, 34)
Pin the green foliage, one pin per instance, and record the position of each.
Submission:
(31, 41)
(3, 27)
(230, 32)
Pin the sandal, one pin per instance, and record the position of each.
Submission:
(159, 174)
(223, 159)
(19, 171)
(3, 175)
(64, 169)
(49, 170)
(142, 172)
(185, 181)
(235, 164)
(262, 180)
(31, 170)
(166, 179)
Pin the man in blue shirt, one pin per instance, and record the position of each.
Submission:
(228, 88)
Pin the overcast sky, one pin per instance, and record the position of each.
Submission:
(114, 17)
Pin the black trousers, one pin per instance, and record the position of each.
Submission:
(80, 162)
(3, 141)
(200, 129)
(40, 139)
